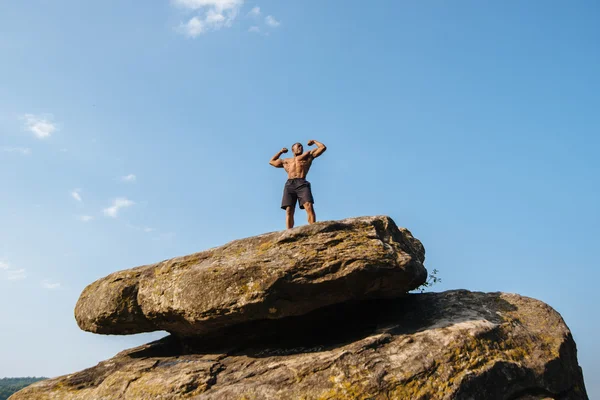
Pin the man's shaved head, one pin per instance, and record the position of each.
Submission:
(297, 148)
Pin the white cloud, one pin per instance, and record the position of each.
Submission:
(128, 178)
(255, 12)
(76, 195)
(9, 273)
(269, 20)
(50, 285)
(193, 27)
(23, 150)
(15, 274)
(219, 5)
(212, 15)
(254, 29)
(118, 203)
(39, 125)
(85, 218)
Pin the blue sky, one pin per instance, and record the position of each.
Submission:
(131, 134)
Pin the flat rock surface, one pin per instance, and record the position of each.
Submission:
(451, 345)
(270, 276)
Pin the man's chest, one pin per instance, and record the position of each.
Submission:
(297, 164)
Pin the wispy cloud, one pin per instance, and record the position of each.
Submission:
(85, 218)
(271, 21)
(22, 150)
(46, 284)
(118, 204)
(219, 5)
(212, 15)
(76, 194)
(129, 178)
(254, 29)
(141, 228)
(193, 27)
(9, 273)
(41, 126)
(255, 12)
(15, 274)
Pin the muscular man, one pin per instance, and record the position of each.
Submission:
(297, 187)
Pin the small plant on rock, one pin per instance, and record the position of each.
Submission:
(432, 279)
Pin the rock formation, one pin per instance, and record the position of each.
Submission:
(264, 277)
(318, 312)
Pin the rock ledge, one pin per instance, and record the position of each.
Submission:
(270, 276)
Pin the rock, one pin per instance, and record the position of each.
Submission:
(452, 345)
(270, 276)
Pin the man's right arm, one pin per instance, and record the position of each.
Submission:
(275, 161)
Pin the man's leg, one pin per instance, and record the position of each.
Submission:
(288, 203)
(289, 216)
(310, 212)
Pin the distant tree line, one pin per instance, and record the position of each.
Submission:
(9, 386)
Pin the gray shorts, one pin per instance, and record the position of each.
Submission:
(296, 189)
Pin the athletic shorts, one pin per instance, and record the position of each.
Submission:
(296, 189)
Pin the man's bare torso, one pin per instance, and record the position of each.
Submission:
(297, 167)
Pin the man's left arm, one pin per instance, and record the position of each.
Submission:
(319, 150)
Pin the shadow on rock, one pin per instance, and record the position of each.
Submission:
(335, 326)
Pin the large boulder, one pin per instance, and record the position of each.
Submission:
(451, 345)
(270, 276)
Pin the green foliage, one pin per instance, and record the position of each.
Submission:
(8, 386)
(432, 279)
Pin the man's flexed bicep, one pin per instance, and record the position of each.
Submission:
(276, 161)
(319, 150)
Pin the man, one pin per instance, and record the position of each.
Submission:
(297, 187)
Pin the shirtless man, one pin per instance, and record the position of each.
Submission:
(297, 187)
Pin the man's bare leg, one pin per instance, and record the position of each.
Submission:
(310, 212)
(289, 217)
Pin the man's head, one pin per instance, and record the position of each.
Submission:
(297, 149)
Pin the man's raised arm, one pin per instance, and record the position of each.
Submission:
(319, 150)
(275, 161)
